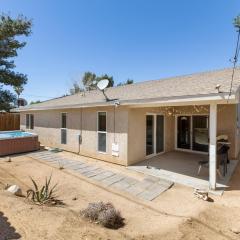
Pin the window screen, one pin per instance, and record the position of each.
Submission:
(64, 120)
(31, 121)
(63, 136)
(102, 126)
(102, 134)
(27, 121)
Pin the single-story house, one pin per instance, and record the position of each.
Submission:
(143, 120)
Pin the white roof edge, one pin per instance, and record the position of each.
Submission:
(221, 98)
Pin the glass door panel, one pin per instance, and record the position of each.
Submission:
(149, 134)
(183, 132)
(159, 134)
(200, 133)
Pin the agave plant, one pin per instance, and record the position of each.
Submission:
(43, 195)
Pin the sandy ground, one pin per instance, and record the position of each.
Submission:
(176, 214)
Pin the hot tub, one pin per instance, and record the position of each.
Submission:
(12, 142)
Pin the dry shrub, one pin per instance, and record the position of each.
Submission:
(104, 214)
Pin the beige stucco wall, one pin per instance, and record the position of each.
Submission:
(226, 124)
(130, 129)
(47, 125)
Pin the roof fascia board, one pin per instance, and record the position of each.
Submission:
(185, 100)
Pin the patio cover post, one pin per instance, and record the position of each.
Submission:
(213, 147)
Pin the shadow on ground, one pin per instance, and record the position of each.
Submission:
(6, 230)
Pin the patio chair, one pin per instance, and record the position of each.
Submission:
(205, 164)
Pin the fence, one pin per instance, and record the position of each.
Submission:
(9, 121)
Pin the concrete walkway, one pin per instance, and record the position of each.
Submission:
(148, 189)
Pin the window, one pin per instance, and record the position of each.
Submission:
(102, 131)
(64, 128)
(154, 134)
(29, 121)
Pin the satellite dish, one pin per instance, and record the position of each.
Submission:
(102, 84)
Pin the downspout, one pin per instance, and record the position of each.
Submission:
(80, 135)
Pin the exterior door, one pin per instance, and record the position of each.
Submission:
(149, 134)
(154, 134)
(183, 132)
(159, 134)
(193, 133)
(200, 133)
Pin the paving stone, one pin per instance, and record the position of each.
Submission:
(145, 184)
(113, 179)
(80, 166)
(103, 175)
(87, 169)
(152, 193)
(165, 183)
(135, 189)
(75, 165)
(151, 179)
(48, 157)
(57, 160)
(41, 154)
(130, 180)
(121, 184)
(93, 173)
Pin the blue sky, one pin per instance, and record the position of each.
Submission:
(136, 39)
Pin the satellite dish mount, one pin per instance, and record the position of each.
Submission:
(102, 85)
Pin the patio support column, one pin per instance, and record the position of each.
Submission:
(213, 147)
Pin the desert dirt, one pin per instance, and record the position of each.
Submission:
(175, 214)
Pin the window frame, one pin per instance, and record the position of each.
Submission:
(29, 121)
(63, 128)
(104, 132)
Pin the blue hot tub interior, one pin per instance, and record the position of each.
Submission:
(14, 134)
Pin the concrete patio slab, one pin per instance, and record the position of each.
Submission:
(182, 168)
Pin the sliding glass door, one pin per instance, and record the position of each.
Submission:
(159, 134)
(200, 133)
(154, 134)
(150, 134)
(193, 132)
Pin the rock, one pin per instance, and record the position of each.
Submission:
(15, 189)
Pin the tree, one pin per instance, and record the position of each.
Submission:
(109, 78)
(129, 81)
(10, 31)
(18, 90)
(76, 88)
(89, 82)
(236, 21)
